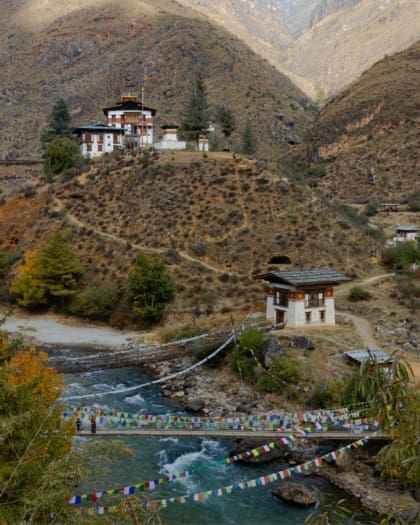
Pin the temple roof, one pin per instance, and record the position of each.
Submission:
(302, 277)
(129, 105)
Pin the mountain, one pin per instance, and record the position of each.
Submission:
(86, 51)
(366, 138)
(322, 45)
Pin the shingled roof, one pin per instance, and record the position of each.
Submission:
(302, 277)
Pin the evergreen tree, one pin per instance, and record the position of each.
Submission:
(248, 141)
(195, 117)
(49, 275)
(151, 288)
(58, 124)
(226, 119)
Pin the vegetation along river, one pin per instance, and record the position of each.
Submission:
(158, 457)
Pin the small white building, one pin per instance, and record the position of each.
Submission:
(406, 233)
(170, 139)
(301, 297)
(96, 139)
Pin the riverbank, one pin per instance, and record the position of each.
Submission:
(213, 392)
(55, 329)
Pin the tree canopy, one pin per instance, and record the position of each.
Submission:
(195, 116)
(36, 476)
(58, 125)
(60, 155)
(226, 119)
(248, 141)
(395, 401)
(49, 275)
(151, 288)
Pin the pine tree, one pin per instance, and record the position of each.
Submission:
(226, 119)
(58, 124)
(195, 117)
(248, 141)
(49, 275)
(151, 288)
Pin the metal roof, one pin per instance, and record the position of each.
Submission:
(99, 127)
(362, 355)
(408, 228)
(302, 277)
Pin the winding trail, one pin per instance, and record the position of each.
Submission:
(361, 325)
(80, 224)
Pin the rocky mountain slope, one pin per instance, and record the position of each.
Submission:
(85, 51)
(214, 220)
(322, 45)
(366, 138)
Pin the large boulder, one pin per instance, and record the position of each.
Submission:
(195, 405)
(295, 493)
(271, 351)
(304, 342)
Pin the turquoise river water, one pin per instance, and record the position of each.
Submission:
(157, 457)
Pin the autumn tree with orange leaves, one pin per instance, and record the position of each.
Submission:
(49, 276)
(36, 475)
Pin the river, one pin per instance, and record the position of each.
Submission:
(157, 457)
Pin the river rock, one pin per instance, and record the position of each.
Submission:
(272, 350)
(295, 493)
(245, 444)
(304, 342)
(195, 405)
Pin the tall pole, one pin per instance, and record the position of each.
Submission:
(142, 116)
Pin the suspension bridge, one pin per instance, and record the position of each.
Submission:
(229, 434)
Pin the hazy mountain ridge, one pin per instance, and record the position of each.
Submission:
(322, 45)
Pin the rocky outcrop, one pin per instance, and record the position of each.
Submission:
(272, 350)
(373, 494)
(295, 493)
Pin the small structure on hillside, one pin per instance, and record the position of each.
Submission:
(130, 117)
(360, 356)
(170, 139)
(406, 233)
(203, 143)
(301, 297)
(97, 139)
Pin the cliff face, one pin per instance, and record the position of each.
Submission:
(367, 135)
(322, 45)
(86, 51)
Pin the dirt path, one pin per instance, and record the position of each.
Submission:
(80, 224)
(363, 329)
(344, 288)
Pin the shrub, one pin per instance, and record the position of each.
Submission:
(62, 154)
(401, 256)
(413, 201)
(320, 170)
(280, 379)
(358, 293)
(95, 302)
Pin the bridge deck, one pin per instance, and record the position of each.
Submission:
(347, 436)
